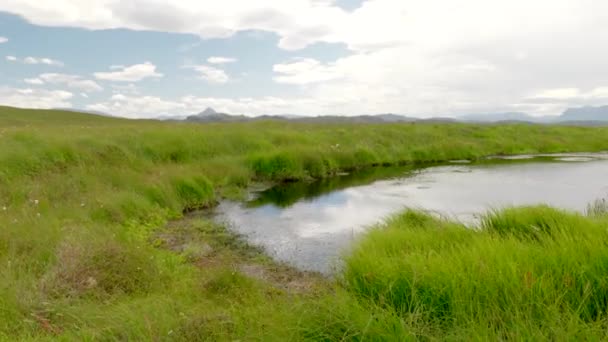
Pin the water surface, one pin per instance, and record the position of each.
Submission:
(310, 225)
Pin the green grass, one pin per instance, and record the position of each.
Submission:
(528, 273)
(86, 251)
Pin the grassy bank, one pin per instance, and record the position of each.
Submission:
(86, 251)
(531, 273)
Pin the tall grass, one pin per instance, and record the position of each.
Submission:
(598, 207)
(83, 199)
(529, 273)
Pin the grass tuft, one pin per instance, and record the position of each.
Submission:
(100, 270)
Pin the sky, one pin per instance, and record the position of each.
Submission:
(150, 58)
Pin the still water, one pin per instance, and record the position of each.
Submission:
(310, 225)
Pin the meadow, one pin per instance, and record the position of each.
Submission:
(96, 241)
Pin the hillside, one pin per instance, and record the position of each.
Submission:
(10, 116)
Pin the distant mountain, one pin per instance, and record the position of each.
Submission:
(379, 118)
(438, 119)
(500, 117)
(585, 114)
(395, 118)
(210, 115)
(207, 112)
(287, 116)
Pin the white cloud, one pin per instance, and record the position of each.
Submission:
(221, 60)
(211, 74)
(30, 60)
(570, 95)
(331, 102)
(3, 40)
(298, 22)
(35, 98)
(402, 79)
(71, 81)
(35, 61)
(118, 97)
(599, 92)
(133, 73)
(558, 94)
(406, 56)
(33, 81)
(305, 71)
(302, 22)
(46, 61)
(248, 106)
(137, 106)
(125, 88)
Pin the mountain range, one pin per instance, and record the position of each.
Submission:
(583, 116)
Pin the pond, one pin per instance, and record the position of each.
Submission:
(311, 225)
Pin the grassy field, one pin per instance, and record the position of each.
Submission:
(91, 246)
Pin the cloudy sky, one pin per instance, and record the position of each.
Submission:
(145, 58)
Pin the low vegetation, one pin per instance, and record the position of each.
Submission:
(90, 249)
